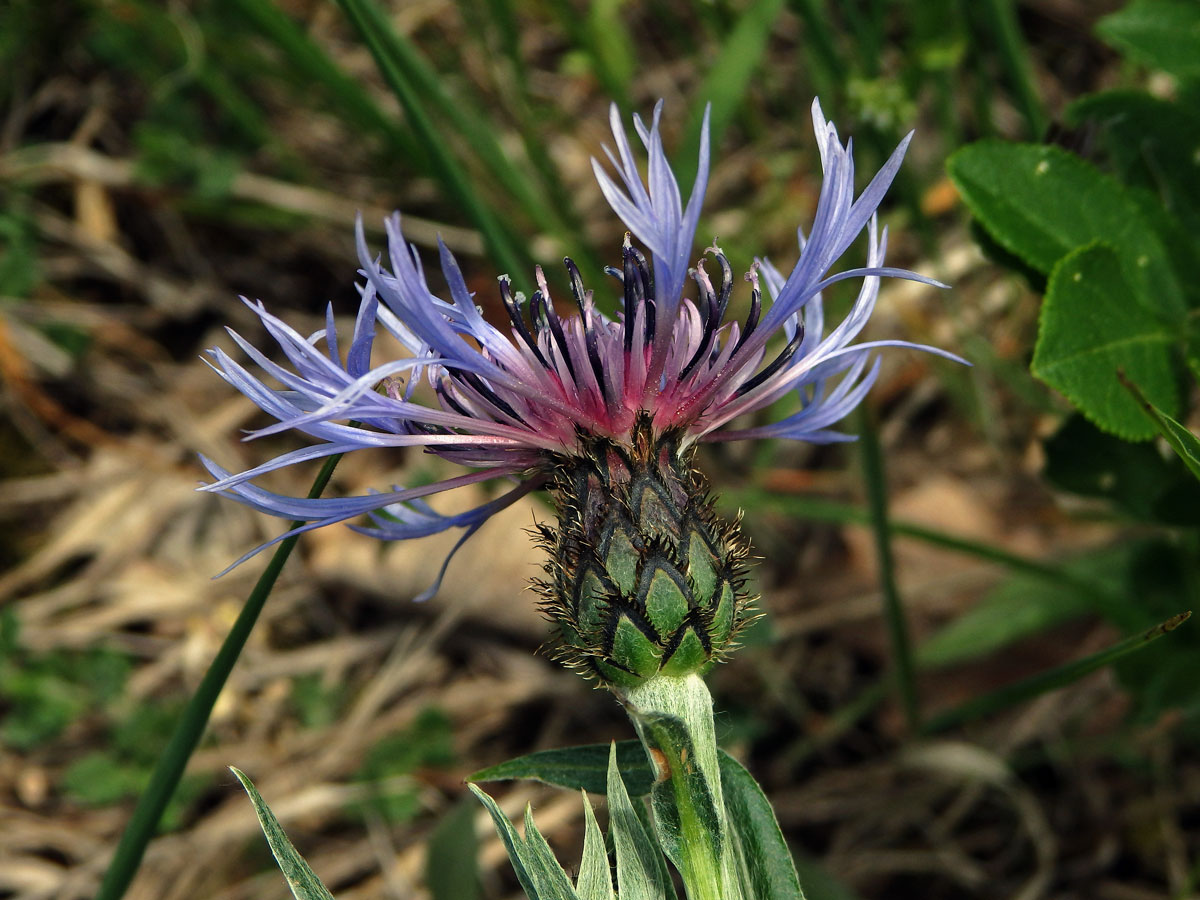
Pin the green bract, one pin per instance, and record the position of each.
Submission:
(644, 577)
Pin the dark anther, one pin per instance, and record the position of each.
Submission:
(518, 320)
(710, 318)
(449, 399)
(635, 291)
(726, 284)
(577, 290)
(593, 352)
(476, 383)
(776, 364)
(752, 319)
(541, 309)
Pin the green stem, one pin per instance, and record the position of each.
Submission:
(674, 720)
(191, 725)
(902, 656)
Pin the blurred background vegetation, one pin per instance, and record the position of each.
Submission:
(159, 159)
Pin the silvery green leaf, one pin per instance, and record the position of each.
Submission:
(669, 737)
(765, 862)
(639, 873)
(304, 883)
(517, 852)
(595, 875)
(584, 767)
(552, 881)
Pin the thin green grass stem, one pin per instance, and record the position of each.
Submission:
(819, 509)
(1044, 682)
(1000, 18)
(190, 728)
(397, 63)
(824, 64)
(310, 60)
(875, 478)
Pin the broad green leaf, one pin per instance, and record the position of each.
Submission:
(595, 874)
(1091, 325)
(639, 871)
(762, 849)
(1137, 479)
(583, 767)
(304, 883)
(451, 869)
(1040, 203)
(518, 854)
(1185, 444)
(1162, 34)
(1151, 142)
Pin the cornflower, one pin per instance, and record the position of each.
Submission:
(604, 412)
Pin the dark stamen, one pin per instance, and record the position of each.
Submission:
(635, 290)
(776, 364)
(518, 320)
(449, 399)
(577, 290)
(752, 319)
(726, 284)
(542, 310)
(591, 339)
(707, 302)
(475, 382)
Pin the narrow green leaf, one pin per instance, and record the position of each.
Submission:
(552, 880)
(518, 854)
(752, 824)
(351, 100)
(1058, 677)
(451, 856)
(726, 82)
(1185, 444)
(639, 876)
(595, 874)
(583, 767)
(875, 478)
(1017, 608)
(304, 883)
(1040, 203)
(1000, 18)
(1151, 142)
(410, 82)
(1092, 325)
(1162, 34)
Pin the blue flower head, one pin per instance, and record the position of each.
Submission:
(524, 401)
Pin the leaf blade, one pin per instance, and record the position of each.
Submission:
(302, 880)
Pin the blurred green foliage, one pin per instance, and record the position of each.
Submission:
(427, 743)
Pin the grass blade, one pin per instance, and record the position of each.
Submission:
(902, 657)
(410, 80)
(1055, 678)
